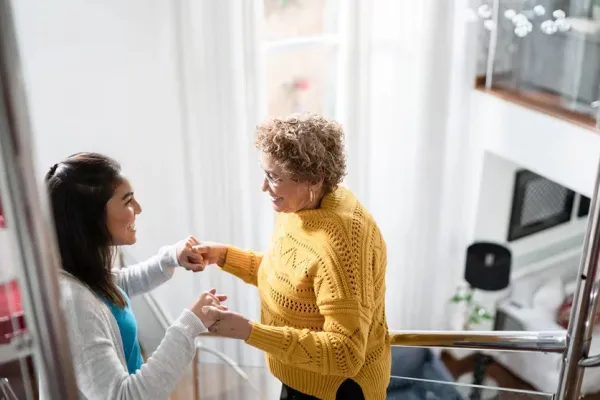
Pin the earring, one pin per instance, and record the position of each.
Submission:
(312, 197)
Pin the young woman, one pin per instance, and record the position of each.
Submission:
(95, 209)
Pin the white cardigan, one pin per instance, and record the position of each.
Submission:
(97, 348)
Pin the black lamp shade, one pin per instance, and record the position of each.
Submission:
(488, 266)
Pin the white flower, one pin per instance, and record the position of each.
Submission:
(510, 13)
(559, 14)
(548, 27)
(539, 10)
(521, 31)
(562, 25)
(520, 19)
(489, 24)
(484, 11)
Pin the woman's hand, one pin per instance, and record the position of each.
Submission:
(187, 257)
(208, 299)
(227, 323)
(211, 253)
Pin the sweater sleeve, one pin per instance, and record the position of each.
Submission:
(243, 263)
(147, 275)
(97, 363)
(341, 347)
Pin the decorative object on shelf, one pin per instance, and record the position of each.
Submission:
(538, 204)
(487, 268)
(485, 11)
(539, 10)
(522, 21)
(560, 24)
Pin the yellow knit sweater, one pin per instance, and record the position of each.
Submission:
(322, 289)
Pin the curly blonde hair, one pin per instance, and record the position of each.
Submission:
(306, 146)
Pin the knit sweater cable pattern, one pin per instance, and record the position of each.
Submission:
(322, 289)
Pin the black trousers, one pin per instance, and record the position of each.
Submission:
(348, 390)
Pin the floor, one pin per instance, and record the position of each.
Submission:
(504, 377)
(220, 382)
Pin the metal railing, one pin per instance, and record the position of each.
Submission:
(26, 209)
(544, 342)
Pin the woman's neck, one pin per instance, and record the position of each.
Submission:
(316, 203)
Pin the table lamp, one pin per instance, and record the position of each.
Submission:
(487, 268)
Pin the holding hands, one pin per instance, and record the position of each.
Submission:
(208, 299)
(211, 252)
(195, 256)
(227, 323)
(187, 258)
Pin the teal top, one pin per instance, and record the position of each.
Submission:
(128, 328)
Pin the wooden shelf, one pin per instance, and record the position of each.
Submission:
(544, 102)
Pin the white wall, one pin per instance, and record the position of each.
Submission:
(101, 76)
(561, 151)
(493, 217)
(167, 88)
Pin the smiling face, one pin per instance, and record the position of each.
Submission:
(121, 210)
(287, 194)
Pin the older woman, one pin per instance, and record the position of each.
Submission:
(322, 280)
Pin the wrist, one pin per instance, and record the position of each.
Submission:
(223, 258)
(248, 330)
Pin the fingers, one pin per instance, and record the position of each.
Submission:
(190, 260)
(196, 267)
(213, 313)
(201, 249)
(191, 242)
(213, 299)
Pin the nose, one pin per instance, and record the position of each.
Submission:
(265, 185)
(137, 208)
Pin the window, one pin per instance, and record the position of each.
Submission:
(542, 54)
(300, 47)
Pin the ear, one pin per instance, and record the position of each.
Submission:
(317, 185)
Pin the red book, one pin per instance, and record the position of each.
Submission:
(12, 320)
(11, 309)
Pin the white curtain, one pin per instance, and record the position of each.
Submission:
(219, 70)
(411, 159)
(403, 99)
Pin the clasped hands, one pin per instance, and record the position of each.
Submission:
(195, 256)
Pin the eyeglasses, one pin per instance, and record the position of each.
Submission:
(276, 181)
(273, 181)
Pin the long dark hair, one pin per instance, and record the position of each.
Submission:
(79, 189)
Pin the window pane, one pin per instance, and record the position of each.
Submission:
(292, 18)
(302, 80)
(547, 55)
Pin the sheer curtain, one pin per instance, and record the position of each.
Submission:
(411, 159)
(219, 70)
(403, 98)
